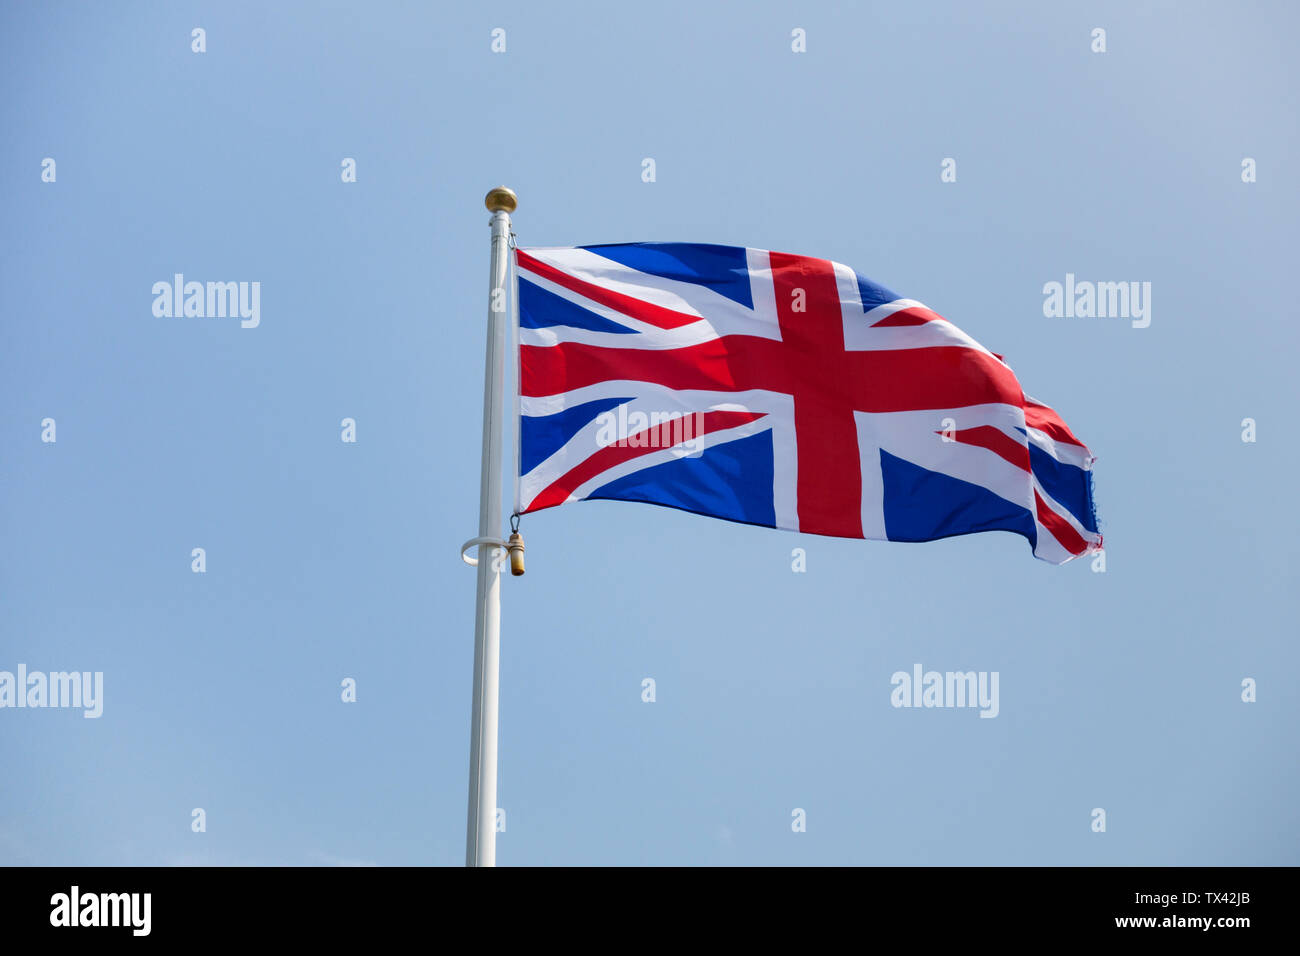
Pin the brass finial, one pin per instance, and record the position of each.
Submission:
(501, 199)
(516, 548)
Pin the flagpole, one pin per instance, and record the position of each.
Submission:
(480, 841)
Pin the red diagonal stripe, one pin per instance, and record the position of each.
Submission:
(913, 315)
(559, 490)
(996, 441)
(1038, 415)
(647, 312)
(1061, 529)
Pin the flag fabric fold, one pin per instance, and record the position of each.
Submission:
(783, 391)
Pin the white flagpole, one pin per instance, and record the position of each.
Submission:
(480, 842)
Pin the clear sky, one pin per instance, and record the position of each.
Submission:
(328, 560)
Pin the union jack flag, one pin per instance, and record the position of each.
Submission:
(783, 391)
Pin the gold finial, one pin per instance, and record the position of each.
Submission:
(501, 199)
(516, 548)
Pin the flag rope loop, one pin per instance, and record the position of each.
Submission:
(472, 542)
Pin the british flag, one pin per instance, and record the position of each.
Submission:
(783, 391)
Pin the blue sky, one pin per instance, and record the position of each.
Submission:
(1119, 690)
